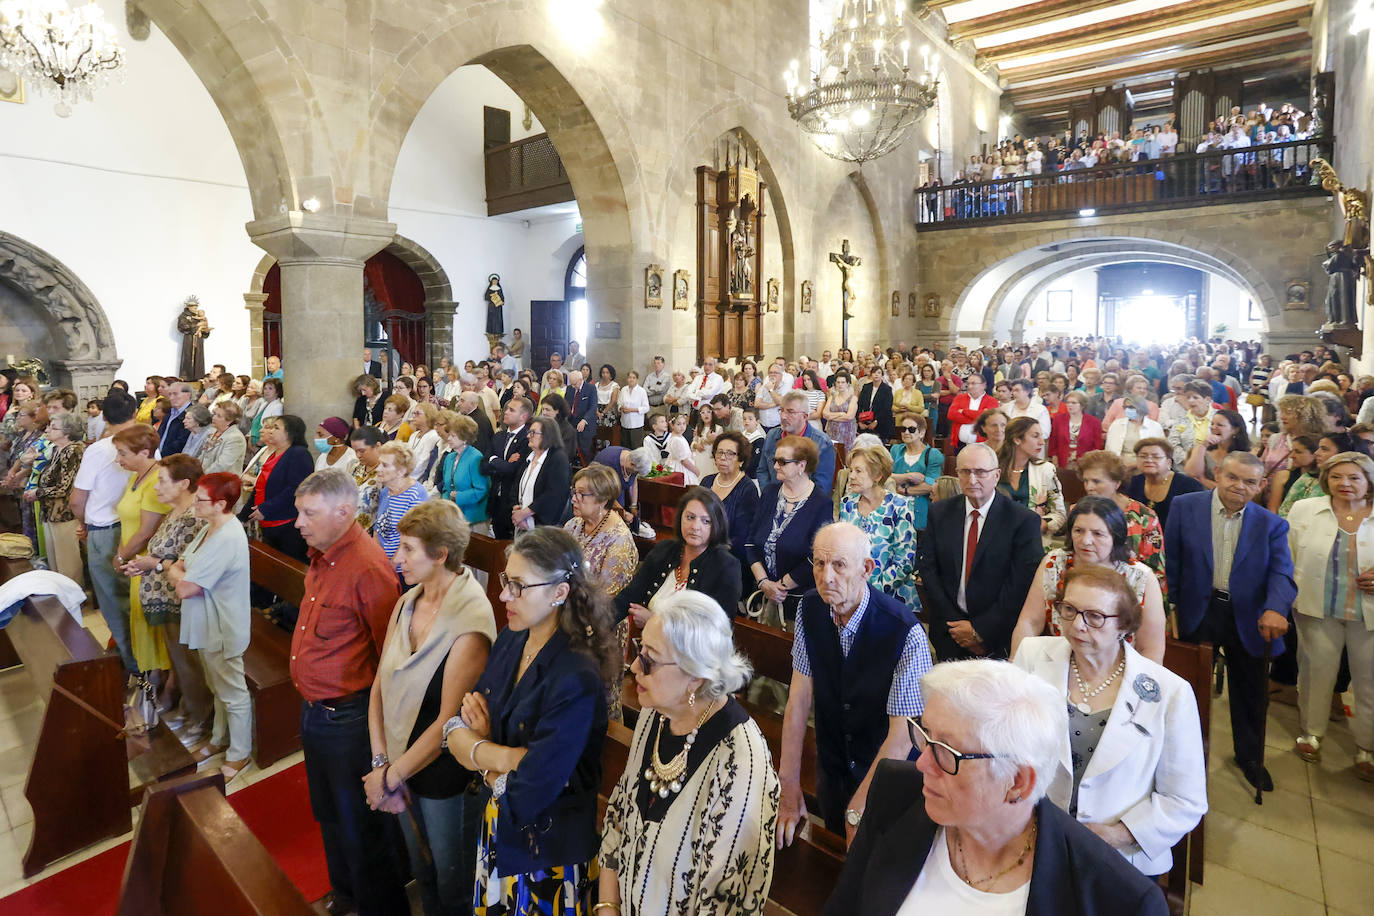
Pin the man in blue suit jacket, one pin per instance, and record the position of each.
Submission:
(581, 399)
(1239, 603)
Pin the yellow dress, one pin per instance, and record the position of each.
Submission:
(145, 410)
(150, 649)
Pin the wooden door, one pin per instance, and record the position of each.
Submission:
(550, 330)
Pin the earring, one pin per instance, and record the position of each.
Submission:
(692, 698)
(590, 631)
(1016, 800)
(558, 603)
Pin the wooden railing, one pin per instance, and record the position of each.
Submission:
(524, 174)
(1213, 177)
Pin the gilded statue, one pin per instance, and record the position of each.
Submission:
(1353, 202)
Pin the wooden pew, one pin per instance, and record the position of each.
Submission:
(192, 854)
(1073, 487)
(1193, 663)
(267, 661)
(658, 501)
(488, 555)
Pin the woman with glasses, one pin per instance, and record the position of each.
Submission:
(791, 511)
(543, 493)
(697, 761)
(887, 520)
(1130, 761)
(1158, 483)
(915, 467)
(966, 827)
(698, 557)
(1103, 474)
(738, 493)
(1096, 537)
(533, 728)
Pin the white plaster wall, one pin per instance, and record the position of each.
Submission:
(1083, 285)
(1228, 304)
(142, 195)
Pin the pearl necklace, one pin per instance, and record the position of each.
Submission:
(666, 778)
(1082, 705)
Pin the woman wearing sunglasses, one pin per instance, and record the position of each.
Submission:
(1130, 761)
(967, 828)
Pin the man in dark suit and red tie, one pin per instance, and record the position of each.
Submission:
(581, 399)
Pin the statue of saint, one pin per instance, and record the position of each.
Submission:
(1343, 266)
(495, 299)
(194, 329)
(741, 274)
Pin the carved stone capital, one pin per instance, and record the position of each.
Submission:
(295, 237)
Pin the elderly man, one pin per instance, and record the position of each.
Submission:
(470, 406)
(371, 366)
(350, 592)
(173, 432)
(977, 562)
(793, 413)
(556, 362)
(707, 385)
(581, 398)
(1230, 578)
(859, 656)
(504, 463)
(656, 386)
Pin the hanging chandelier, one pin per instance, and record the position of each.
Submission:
(58, 50)
(863, 99)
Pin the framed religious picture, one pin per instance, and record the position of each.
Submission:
(806, 296)
(896, 304)
(653, 287)
(911, 305)
(1296, 295)
(681, 284)
(932, 305)
(773, 294)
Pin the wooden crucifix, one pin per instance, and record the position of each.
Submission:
(847, 263)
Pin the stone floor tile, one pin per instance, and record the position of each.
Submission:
(1343, 830)
(1349, 882)
(16, 806)
(1228, 892)
(1284, 811)
(1264, 855)
(1342, 787)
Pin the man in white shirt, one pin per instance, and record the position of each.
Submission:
(707, 385)
(656, 386)
(768, 398)
(99, 485)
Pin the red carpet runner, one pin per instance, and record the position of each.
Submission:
(277, 810)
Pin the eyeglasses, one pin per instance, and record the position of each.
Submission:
(946, 757)
(646, 664)
(726, 453)
(980, 473)
(516, 589)
(581, 494)
(784, 462)
(1067, 612)
(911, 429)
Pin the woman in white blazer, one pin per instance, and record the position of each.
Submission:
(1134, 425)
(1131, 767)
(1332, 540)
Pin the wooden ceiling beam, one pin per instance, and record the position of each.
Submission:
(1022, 16)
(1223, 57)
(1192, 41)
(1125, 27)
(1283, 66)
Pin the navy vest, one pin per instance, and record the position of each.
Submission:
(851, 692)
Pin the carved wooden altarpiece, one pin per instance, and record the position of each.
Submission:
(730, 285)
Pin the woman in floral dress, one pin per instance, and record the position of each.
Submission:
(840, 410)
(888, 520)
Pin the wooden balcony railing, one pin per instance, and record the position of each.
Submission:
(524, 174)
(1189, 179)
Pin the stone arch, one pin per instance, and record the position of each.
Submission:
(85, 358)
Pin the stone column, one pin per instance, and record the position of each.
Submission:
(253, 303)
(439, 329)
(321, 258)
(89, 378)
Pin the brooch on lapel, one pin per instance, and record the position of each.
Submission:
(1147, 689)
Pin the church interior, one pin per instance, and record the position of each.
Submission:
(271, 188)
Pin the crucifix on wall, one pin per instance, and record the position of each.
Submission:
(848, 264)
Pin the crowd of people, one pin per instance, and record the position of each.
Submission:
(1218, 495)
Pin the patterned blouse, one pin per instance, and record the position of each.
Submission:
(1305, 487)
(1057, 564)
(1146, 538)
(368, 494)
(891, 529)
(609, 552)
(155, 591)
(55, 483)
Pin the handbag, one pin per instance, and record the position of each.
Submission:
(866, 416)
(140, 707)
(761, 608)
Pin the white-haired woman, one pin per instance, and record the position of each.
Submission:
(966, 828)
(690, 824)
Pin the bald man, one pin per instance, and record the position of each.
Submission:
(859, 655)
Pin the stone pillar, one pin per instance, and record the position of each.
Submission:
(253, 303)
(321, 258)
(89, 378)
(439, 329)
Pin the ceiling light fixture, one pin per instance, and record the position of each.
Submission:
(62, 51)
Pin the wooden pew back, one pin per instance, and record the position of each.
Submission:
(1193, 663)
(488, 555)
(282, 575)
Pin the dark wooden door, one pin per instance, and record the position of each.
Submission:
(550, 330)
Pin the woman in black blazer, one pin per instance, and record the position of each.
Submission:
(876, 397)
(698, 557)
(272, 499)
(984, 830)
(544, 494)
(371, 398)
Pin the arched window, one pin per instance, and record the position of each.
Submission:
(575, 294)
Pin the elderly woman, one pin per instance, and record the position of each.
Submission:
(197, 423)
(53, 491)
(140, 513)
(226, 446)
(908, 399)
(1157, 483)
(533, 727)
(273, 501)
(272, 393)
(1096, 537)
(1196, 423)
(424, 441)
(1103, 474)
(435, 648)
(366, 442)
(888, 521)
(737, 492)
(250, 405)
(697, 557)
(1130, 761)
(1226, 434)
(791, 511)
(915, 466)
(1134, 424)
(1074, 432)
(696, 760)
(1298, 416)
(1332, 539)
(368, 402)
(629, 466)
(1029, 479)
(397, 493)
(212, 581)
(876, 406)
(1137, 387)
(394, 410)
(542, 497)
(458, 476)
(968, 828)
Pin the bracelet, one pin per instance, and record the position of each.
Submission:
(451, 726)
(498, 788)
(472, 754)
(606, 904)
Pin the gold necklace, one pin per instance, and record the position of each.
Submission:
(666, 778)
(991, 879)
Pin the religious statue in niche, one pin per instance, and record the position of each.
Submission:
(911, 305)
(933, 305)
(653, 287)
(681, 289)
(194, 329)
(774, 293)
(495, 298)
(1342, 306)
(741, 252)
(806, 296)
(1348, 258)
(896, 304)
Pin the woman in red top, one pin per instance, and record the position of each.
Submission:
(950, 385)
(1074, 432)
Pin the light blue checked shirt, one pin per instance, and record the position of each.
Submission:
(904, 697)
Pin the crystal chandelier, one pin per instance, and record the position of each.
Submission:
(863, 99)
(66, 52)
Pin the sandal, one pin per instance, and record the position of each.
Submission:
(1309, 748)
(208, 750)
(1364, 765)
(233, 768)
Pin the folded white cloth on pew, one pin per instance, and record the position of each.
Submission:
(44, 582)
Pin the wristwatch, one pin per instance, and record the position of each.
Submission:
(379, 760)
(851, 817)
